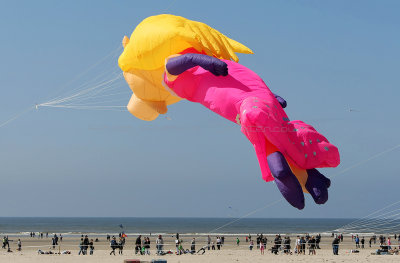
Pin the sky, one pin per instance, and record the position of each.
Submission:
(323, 57)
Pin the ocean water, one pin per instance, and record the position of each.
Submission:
(202, 226)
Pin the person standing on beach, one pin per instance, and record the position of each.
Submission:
(19, 245)
(286, 243)
(357, 240)
(120, 246)
(193, 246)
(251, 245)
(159, 245)
(218, 243)
(389, 243)
(91, 246)
(147, 246)
(264, 240)
(362, 242)
(208, 242)
(212, 245)
(262, 248)
(138, 244)
(85, 245)
(177, 243)
(237, 241)
(317, 241)
(303, 245)
(53, 241)
(311, 247)
(298, 247)
(335, 246)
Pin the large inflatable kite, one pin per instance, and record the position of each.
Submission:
(169, 58)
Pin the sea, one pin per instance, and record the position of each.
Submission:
(75, 226)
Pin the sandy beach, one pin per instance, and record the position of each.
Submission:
(230, 252)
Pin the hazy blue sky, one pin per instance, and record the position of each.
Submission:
(323, 57)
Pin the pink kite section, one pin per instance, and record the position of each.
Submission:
(244, 98)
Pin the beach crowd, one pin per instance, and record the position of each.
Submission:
(301, 245)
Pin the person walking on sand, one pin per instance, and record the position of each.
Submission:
(237, 241)
(262, 248)
(113, 245)
(218, 243)
(81, 247)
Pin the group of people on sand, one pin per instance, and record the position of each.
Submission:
(142, 246)
(284, 244)
(6, 244)
(39, 234)
(84, 245)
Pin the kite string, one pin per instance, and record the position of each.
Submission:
(16, 116)
(246, 215)
(376, 223)
(82, 92)
(366, 218)
(21, 113)
(111, 54)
